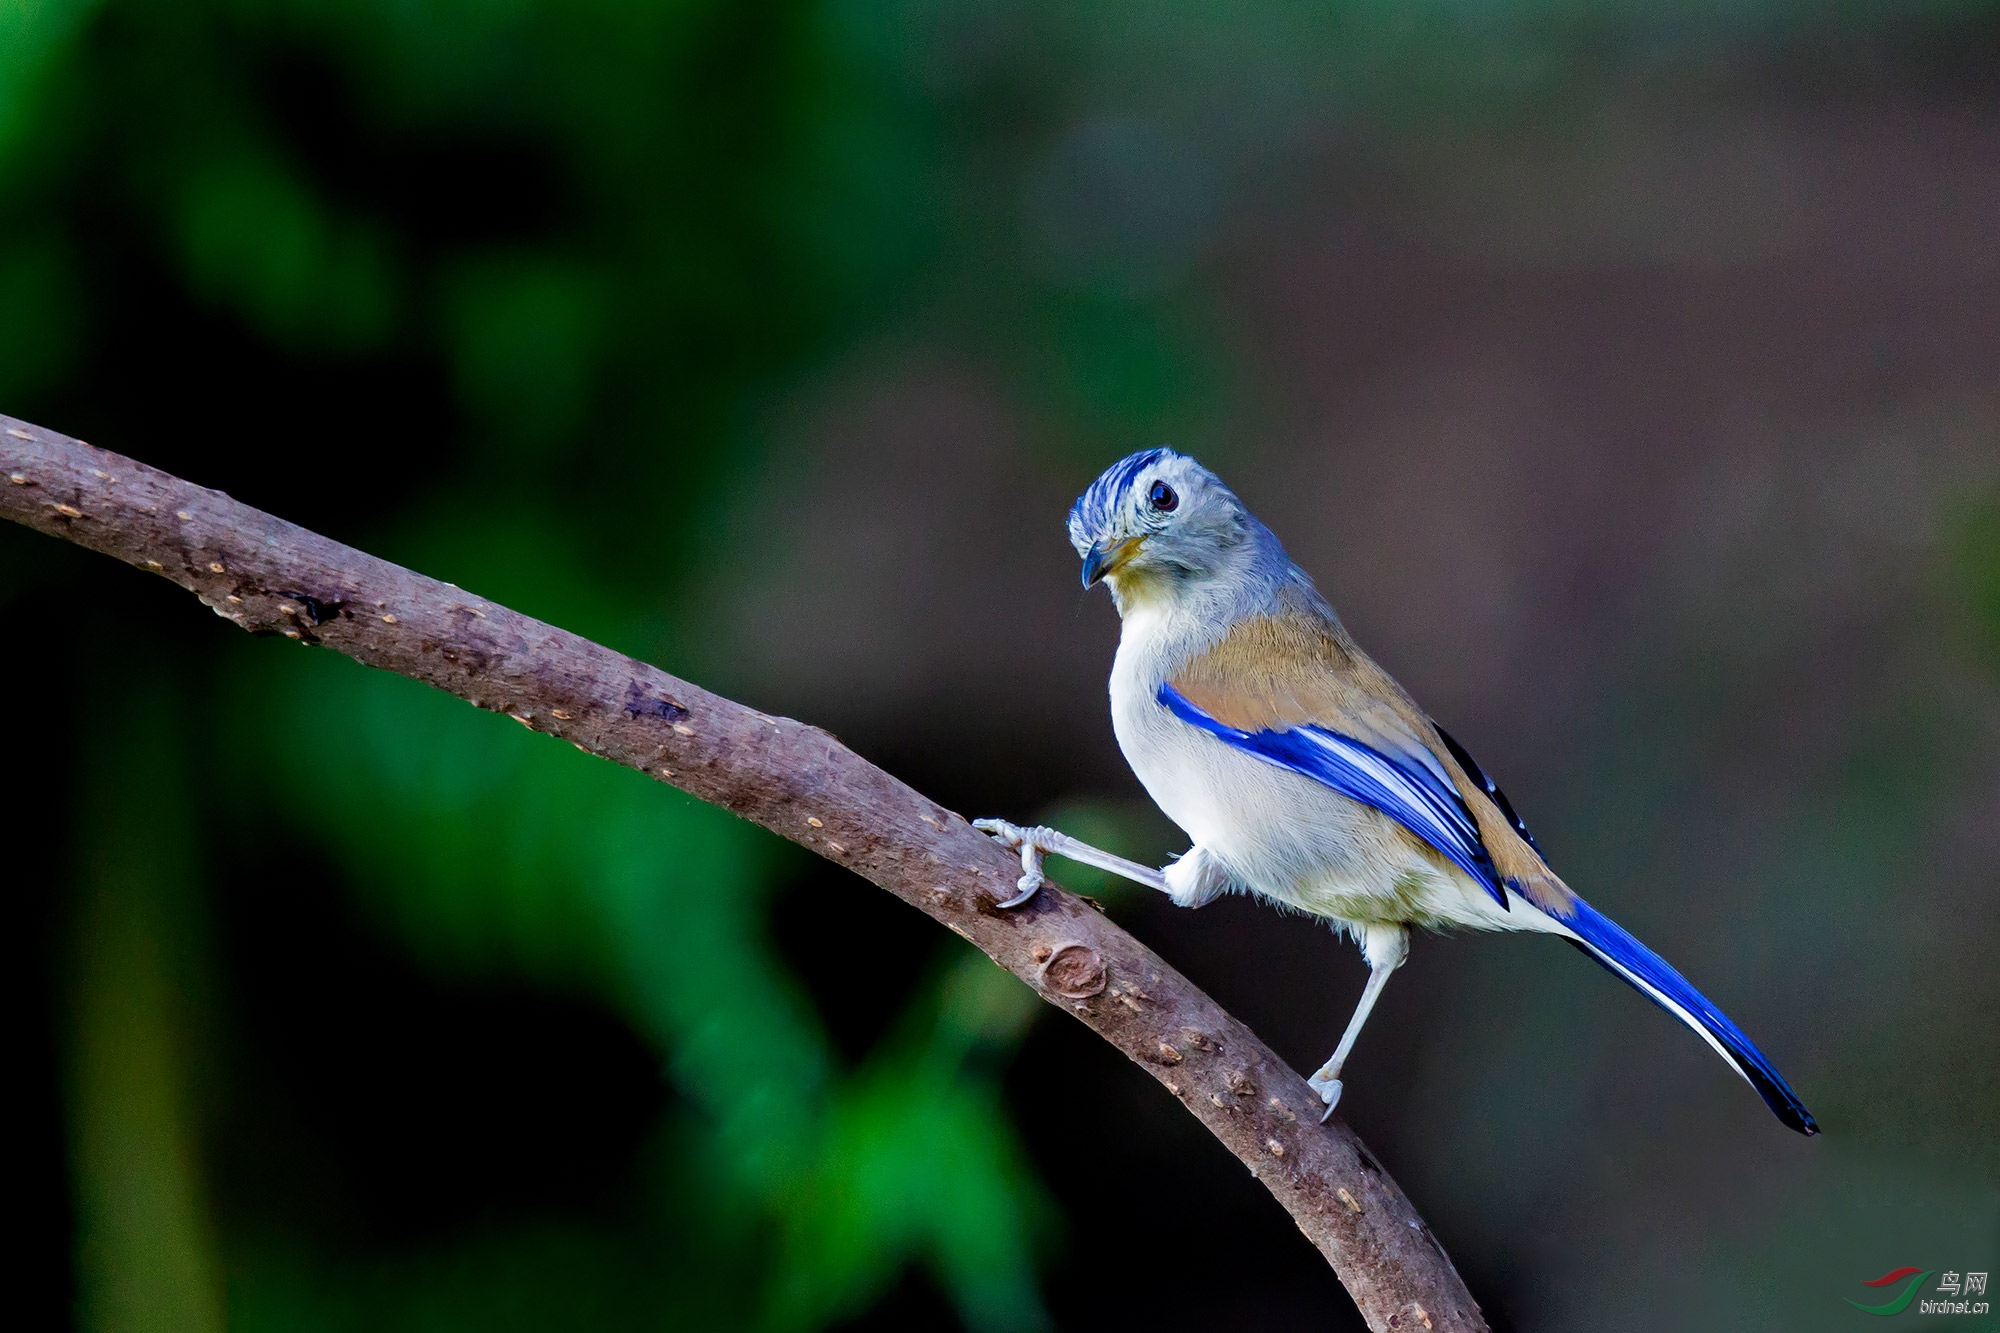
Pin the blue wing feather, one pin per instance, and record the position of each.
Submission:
(1411, 789)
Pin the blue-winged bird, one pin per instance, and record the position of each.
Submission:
(1302, 772)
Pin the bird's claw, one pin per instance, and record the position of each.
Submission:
(1007, 835)
(1329, 1089)
(1014, 837)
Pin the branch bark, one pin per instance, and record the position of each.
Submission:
(273, 577)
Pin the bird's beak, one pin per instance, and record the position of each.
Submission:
(1105, 558)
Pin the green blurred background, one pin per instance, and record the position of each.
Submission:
(1628, 373)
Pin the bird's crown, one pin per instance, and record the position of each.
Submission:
(1156, 512)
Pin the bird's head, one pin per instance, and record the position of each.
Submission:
(1156, 521)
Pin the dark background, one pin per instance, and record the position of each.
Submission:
(1628, 375)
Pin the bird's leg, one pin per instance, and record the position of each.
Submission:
(1036, 841)
(1327, 1081)
(1385, 947)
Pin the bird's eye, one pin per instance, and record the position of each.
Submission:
(1162, 497)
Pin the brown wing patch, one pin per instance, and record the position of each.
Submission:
(1267, 674)
(1274, 673)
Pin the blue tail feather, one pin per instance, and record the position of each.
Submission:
(1618, 952)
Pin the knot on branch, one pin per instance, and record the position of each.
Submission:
(1074, 971)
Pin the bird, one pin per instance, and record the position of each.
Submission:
(1302, 773)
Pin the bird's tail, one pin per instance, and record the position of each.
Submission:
(1615, 948)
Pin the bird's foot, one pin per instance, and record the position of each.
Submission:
(1031, 842)
(1327, 1084)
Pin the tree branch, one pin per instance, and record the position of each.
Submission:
(273, 577)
